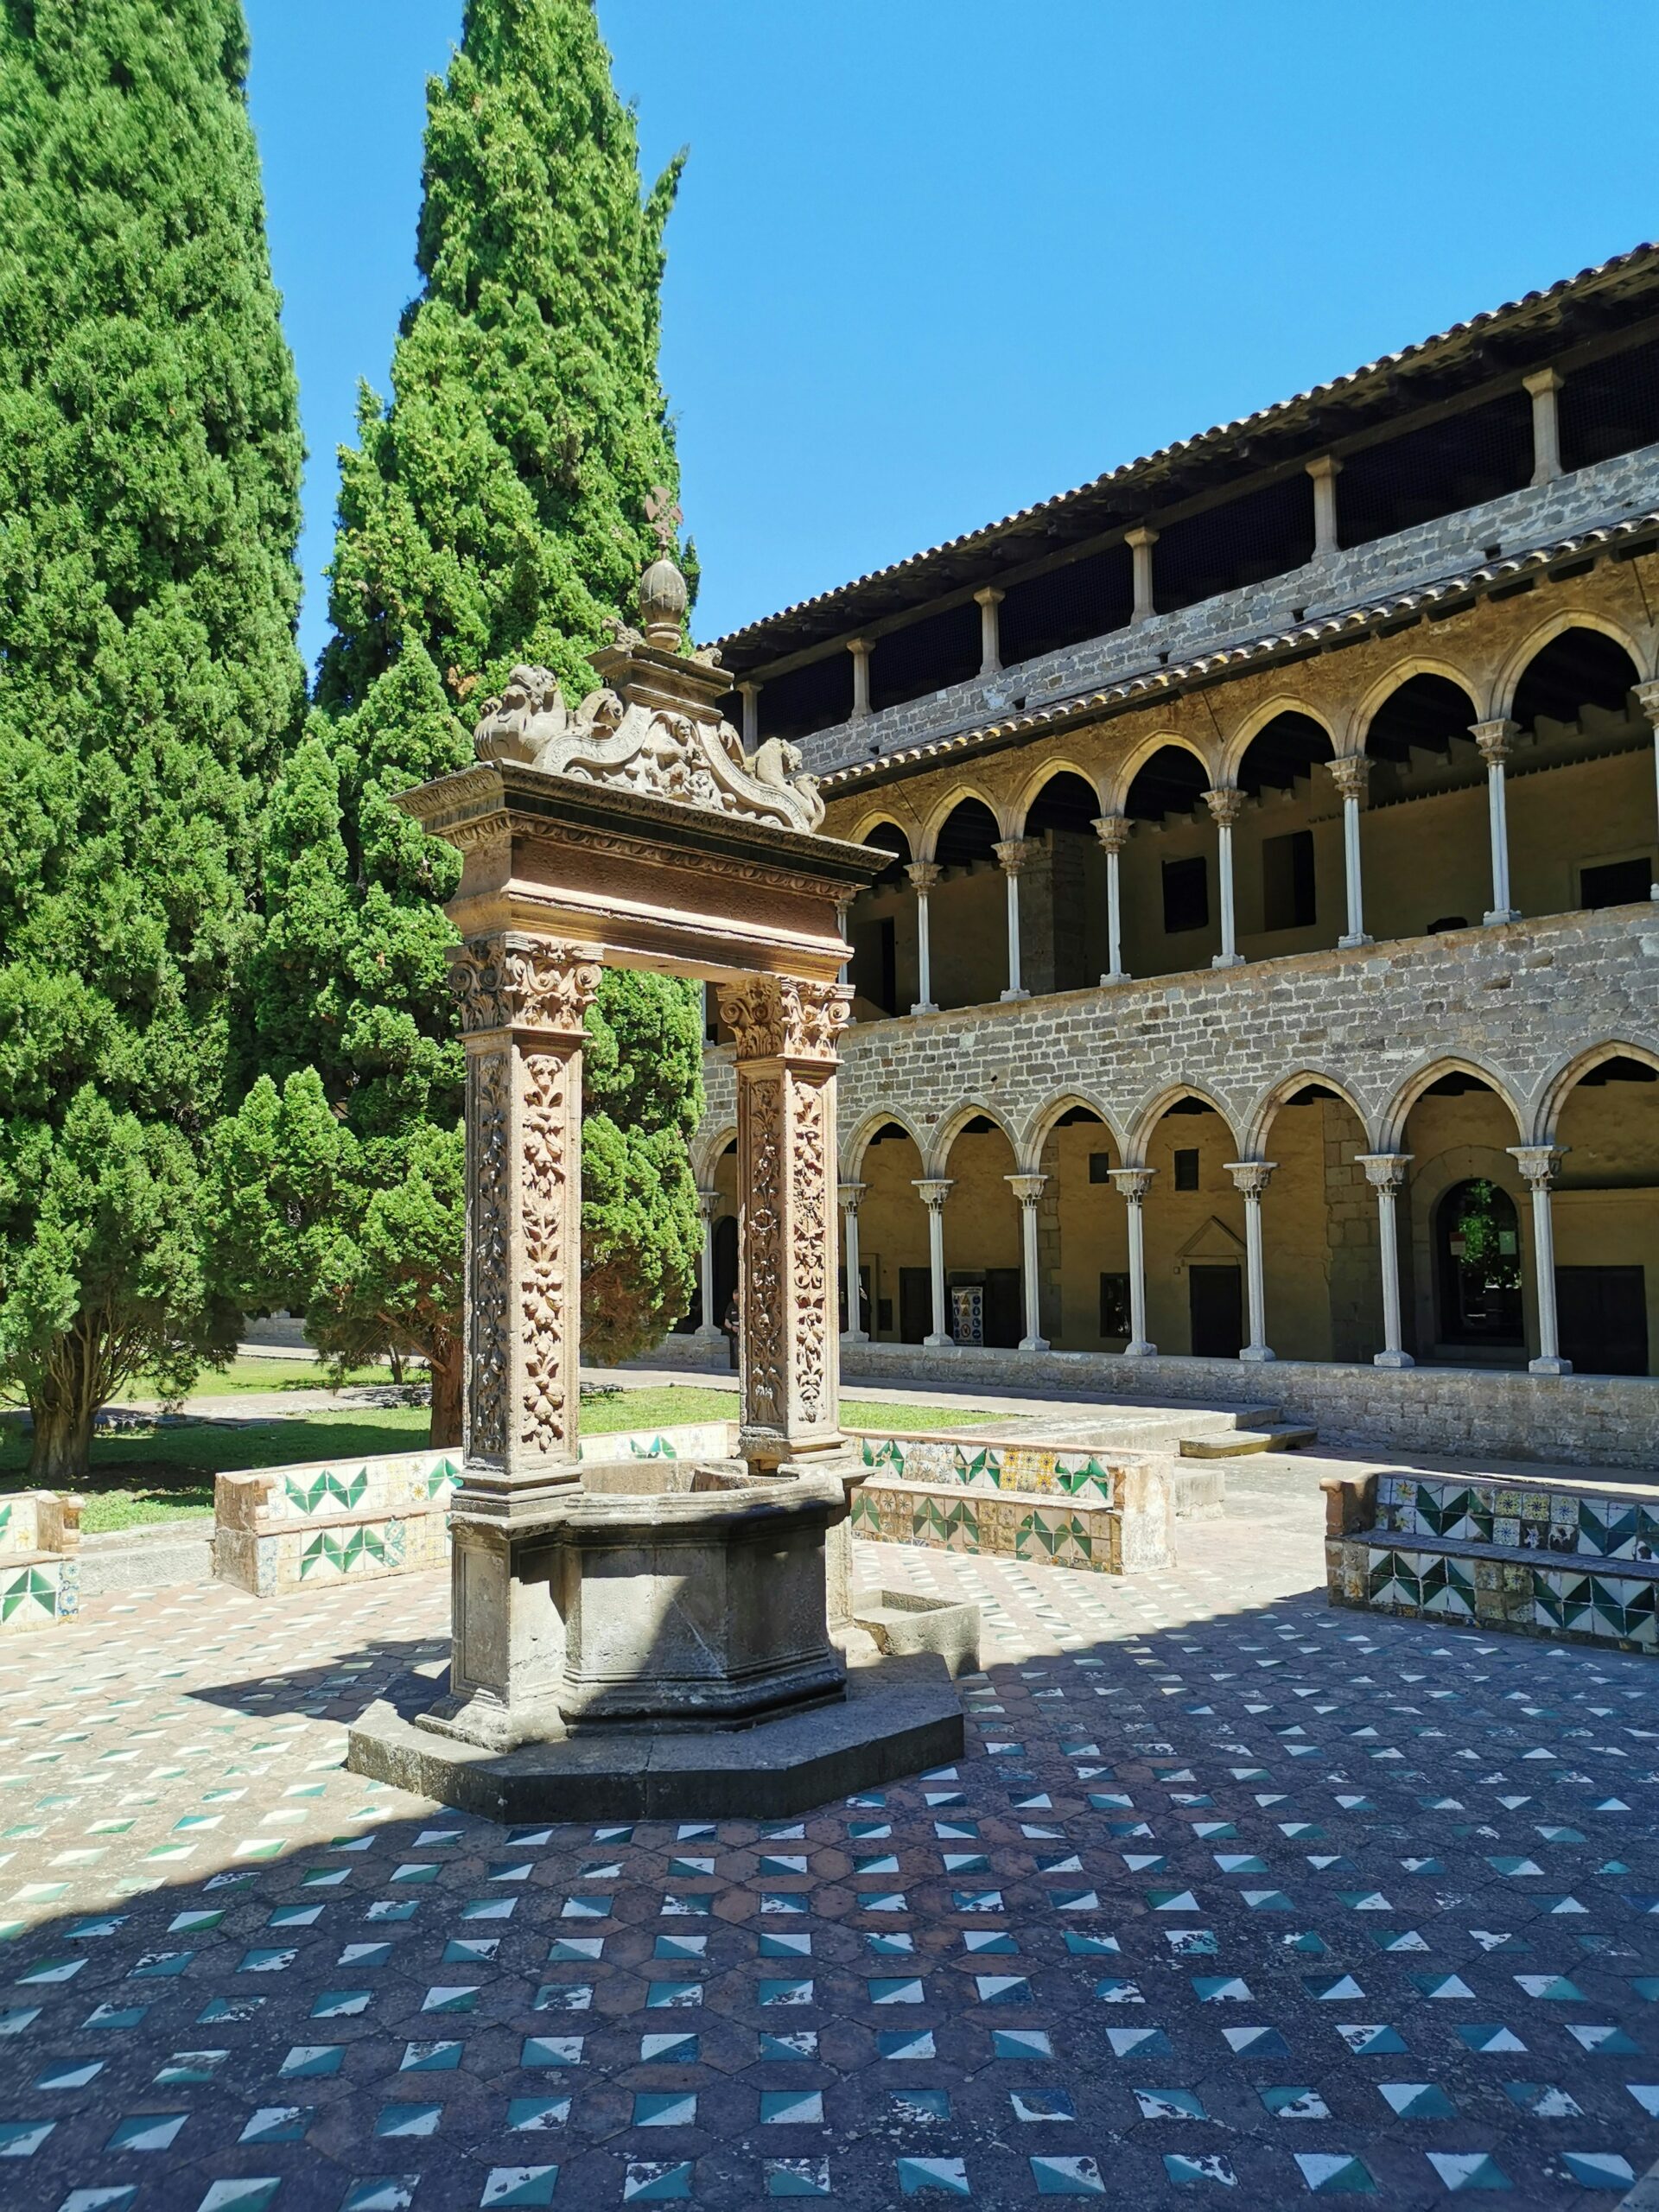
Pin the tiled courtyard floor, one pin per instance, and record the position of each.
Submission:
(1232, 1893)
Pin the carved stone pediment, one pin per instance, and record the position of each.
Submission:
(637, 745)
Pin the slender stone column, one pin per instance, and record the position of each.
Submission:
(1251, 1177)
(786, 1034)
(923, 875)
(708, 1205)
(1543, 384)
(1028, 1189)
(1134, 1183)
(522, 1004)
(751, 696)
(1647, 696)
(934, 1192)
(1495, 741)
(1325, 472)
(1225, 807)
(859, 649)
(1012, 855)
(850, 1195)
(844, 925)
(990, 634)
(1538, 1164)
(1351, 775)
(1385, 1173)
(1113, 831)
(1140, 541)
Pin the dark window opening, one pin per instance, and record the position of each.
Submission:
(1186, 895)
(1611, 406)
(1444, 922)
(1459, 462)
(1580, 669)
(1455, 1085)
(892, 1132)
(1615, 883)
(1426, 714)
(924, 656)
(1604, 1320)
(1067, 605)
(1215, 1311)
(1172, 782)
(1266, 533)
(1288, 901)
(1190, 1105)
(874, 971)
(888, 837)
(1477, 1241)
(817, 697)
(970, 834)
(1074, 1117)
(1618, 1069)
(1291, 747)
(1065, 802)
(1186, 1169)
(1115, 1319)
(1100, 1167)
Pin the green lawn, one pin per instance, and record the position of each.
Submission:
(150, 1474)
(244, 1376)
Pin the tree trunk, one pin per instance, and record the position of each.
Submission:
(446, 1396)
(63, 1438)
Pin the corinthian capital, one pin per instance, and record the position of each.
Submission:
(1350, 772)
(778, 1018)
(1112, 831)
(1495, 740)
(1225, 807)
(516, 982)
(1251, 1176)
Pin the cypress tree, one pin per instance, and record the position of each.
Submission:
(149, 467)
(494, 513)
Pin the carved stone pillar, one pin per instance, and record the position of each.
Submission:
(1538, 1164)
(1542, 388)
(1495, 740)
(1386, 1172)
(1113, 831)
(1252, 1176)
(1028, 1189)
(925, 875)
(1325, 470)
(1140, 541)
(1012, 853)
(1350, 774)
(785, 1033)
(990, 640)
(1226, 806)
(854, 1333)
(860, 649)
(934, 1191)
(1134, 1183)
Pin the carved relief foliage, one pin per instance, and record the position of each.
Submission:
(809, 1232)
(765, 1388)
(522, 982)
(488, 1075)
(775, 1017)
(547, 1271)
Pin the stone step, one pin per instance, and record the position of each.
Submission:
(1233, 1444)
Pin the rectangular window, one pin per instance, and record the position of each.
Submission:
(1114, 1307)
(1186, 895)
(1287, 882)
(1186, 1170)
(1100, 1167)
(1615, 883)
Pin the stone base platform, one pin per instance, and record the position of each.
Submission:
(900, 1714)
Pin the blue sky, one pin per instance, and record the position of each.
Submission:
(935, 259)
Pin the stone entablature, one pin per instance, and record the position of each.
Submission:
(1328, 585)
(1519, 1006)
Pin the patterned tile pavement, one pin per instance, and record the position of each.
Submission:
(1233, 1892)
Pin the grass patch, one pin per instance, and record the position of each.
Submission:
(243, 1377)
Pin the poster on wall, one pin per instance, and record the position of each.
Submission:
(968, 1313)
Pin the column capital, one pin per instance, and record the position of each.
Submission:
(934, 1190)
(860, 645)
(1647, 697)
(1012, 853)
(1326, 466)
(1495, 740)
(1385, 1171)
(1134, 1182)
(781, 1017)
(709, 1203)
(1539, 1163)
(519, 982)
(1542, 380)
(1143, 534)
(990, 595)
(1027, 1188)
(923, 875)
(1113, 830)
(1251, 1176)
(850, 1195)
(1351, 773)
(1226, 806)
(749, 688)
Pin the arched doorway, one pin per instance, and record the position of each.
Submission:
(1477, 1267)
(1195, 1234)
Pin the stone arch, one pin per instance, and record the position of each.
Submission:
(1145, 1120)
(854, 1147)
(1259, 1119)
(1558, 1086)
(1116, 788)
(1396, 679)
(1035, 1130)
(1429, 1070)
(927, 844)
(894, 818)
(707, 1151)
(1257, 720)
(1508, 680)
(936, 1156)
(1032, 790)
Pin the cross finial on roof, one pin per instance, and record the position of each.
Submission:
(663, 513)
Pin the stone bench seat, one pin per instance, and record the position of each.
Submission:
(39, 1559)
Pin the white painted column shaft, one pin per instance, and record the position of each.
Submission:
(1386, 1172)
(1134, 1183)
(1251, 1177)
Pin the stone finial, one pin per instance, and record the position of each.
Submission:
(1226, 806)
(1251, 1176)
(1539, 1163)
(1495, 740)
(664, 597)
(1350, 772)
(1385, 1171)
(1113, 830)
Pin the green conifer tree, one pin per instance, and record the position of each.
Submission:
(149, 467)
(493, 513)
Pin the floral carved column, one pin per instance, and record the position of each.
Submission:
(786, 1034)
(522, 1004)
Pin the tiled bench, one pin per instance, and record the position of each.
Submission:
(277, 1528)
(1111, 1512)
(40, 1564)
(1576, 1561)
